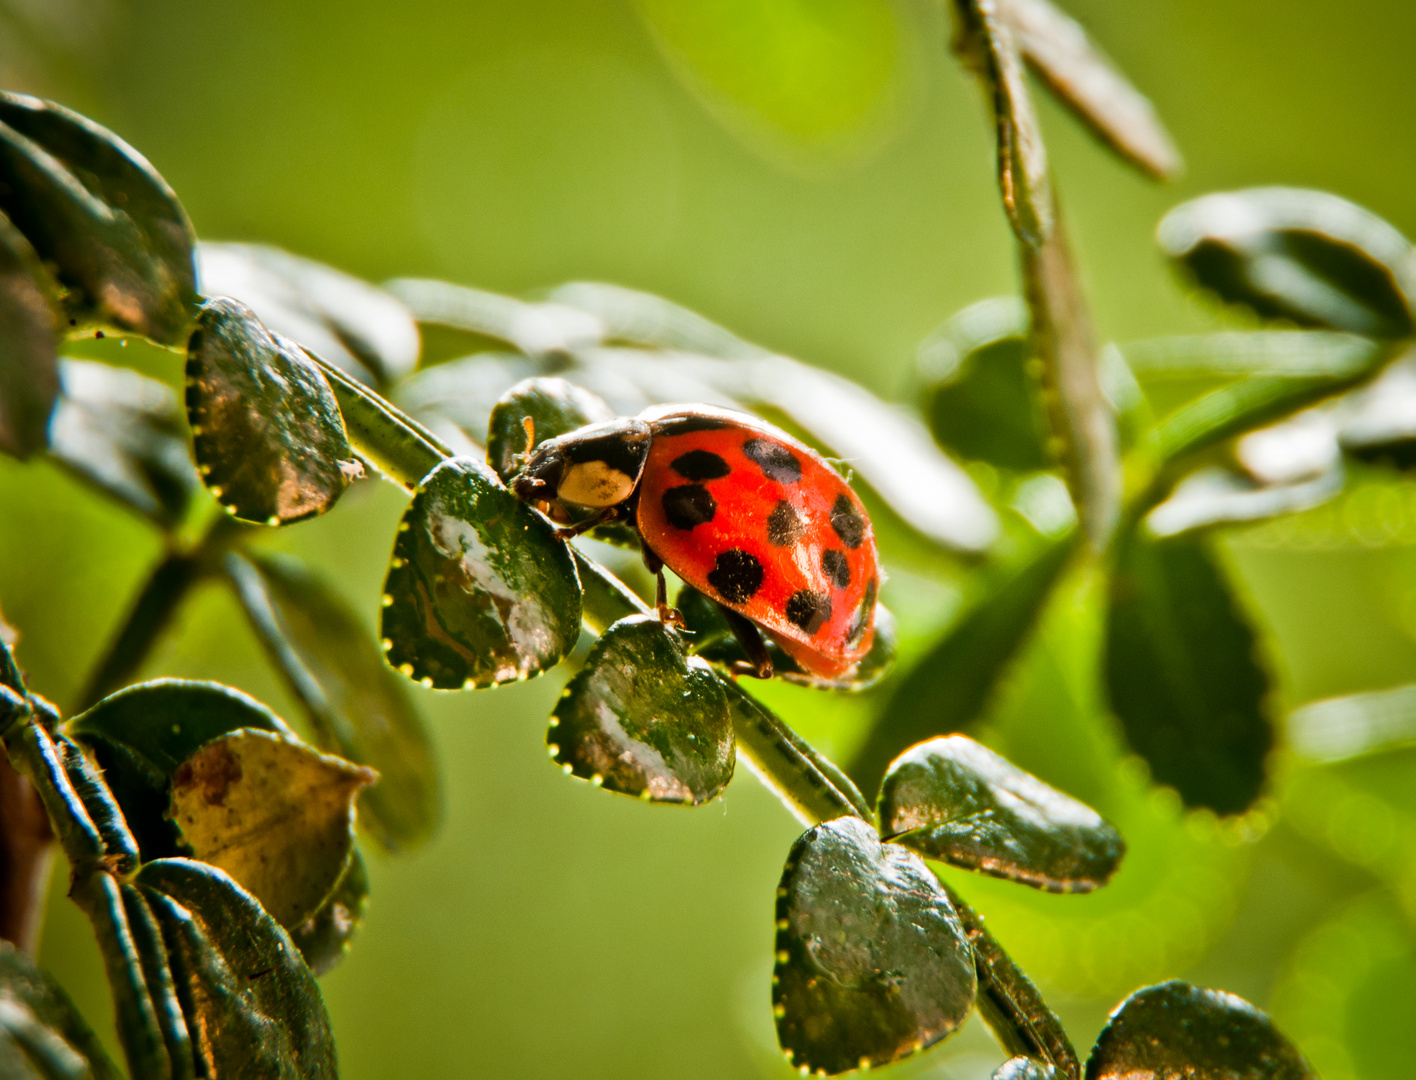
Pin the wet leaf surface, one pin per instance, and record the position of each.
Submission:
(358, 708)
(274, 814)
(42, 1035)
(978, 396)
(480, 590)
(324, 937)
(872, 963)
(1183, 673)
(1024, 1068)
(269, 438)
(955, 800)
(252, 1006)
(1303, 255)
(358, 327)
(948, 689)
(1057, 49)
(29, 378)
(95, 209)
(141, 734)
(125, 433)
(553, 406)
(644, 718)
(1178, 1030)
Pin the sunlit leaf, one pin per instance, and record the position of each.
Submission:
(348, 322)
(1378, 422)
(480, 590)
(1218, 496)
(141, 734)
(358, 708)
(1088, 83)
(269, 437)
(1302, 255)
(324, 937)
(644, 718)
(1024, 1068)
(947, 690)
(955, 800)
(1230, 353)
(536, 329)
(42, 1035)
(29, 380)
(1175, 1029)
(1338, 728)
(1183, 673)
(274, 814)
(455, 400)
(98, 213)
(252, 1005)
(978, 396)
(125, 433)
(872, 963)
(631, 317)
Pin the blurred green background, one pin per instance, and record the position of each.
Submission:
(817, 175)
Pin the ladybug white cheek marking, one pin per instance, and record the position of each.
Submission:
(595, 484)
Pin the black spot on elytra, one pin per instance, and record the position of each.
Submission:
(775, 460)
(849, 525)
(687, 425)
(862, 616)
(688, 505)
(700, 465)
(808, 610)
(835, 567)
(736, 576)
(784, 526)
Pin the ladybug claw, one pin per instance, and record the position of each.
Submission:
(672, 617)
(751, 670)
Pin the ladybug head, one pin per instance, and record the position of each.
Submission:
(596, 466)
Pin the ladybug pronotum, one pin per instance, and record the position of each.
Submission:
(738, 509)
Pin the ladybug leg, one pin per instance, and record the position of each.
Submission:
(667, 615)
(570, 532)
(758, 664)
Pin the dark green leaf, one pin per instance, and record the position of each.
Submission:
(120, 849)
(955, 800)
(949, 688)
(1175, 1029)
(534, 329)
(554, 407)
(274, 814)
(40, 1030)
(644, 718)
(358, 708)
(455, 400)
(355, 325)
(1339, 728)
(324, 937)
(29, 379)
(140, 735)
(157, 976)
(480, 592)
(1302, 255)
(252, 1006)
(125, 433)
(979, 397)
(95, 209)
(1218, 496)
(872, 963)
(1183, 673)
(1085, 81)
(269, 437)
(630, 317)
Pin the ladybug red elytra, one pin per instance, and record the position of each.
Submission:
(738, 509)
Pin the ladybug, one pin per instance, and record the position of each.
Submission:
(737, 508)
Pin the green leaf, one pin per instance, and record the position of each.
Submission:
(98, 213)
(126, 434)
(1218, 496)
(157, 977)
(1307, 256)
(1231, 353)
(534, 329)
(252, 1005)
(269, 437)
(42, 1035)
(480, 592)
(29, 379)
(1024, 1068)
(140, 735)
(554, 407)
(358, 708)
(324, 937)
(631, 317)
(978, 395)
(120, 848)
(1175, 1029)
(1339, 728)
(455, 399)
(949, 688)
(644, 718)
(1057, 49)
(359, 327)
(1183, 673)
(274, 814)
(1378, 422)
(955, 800)
(872, 963)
